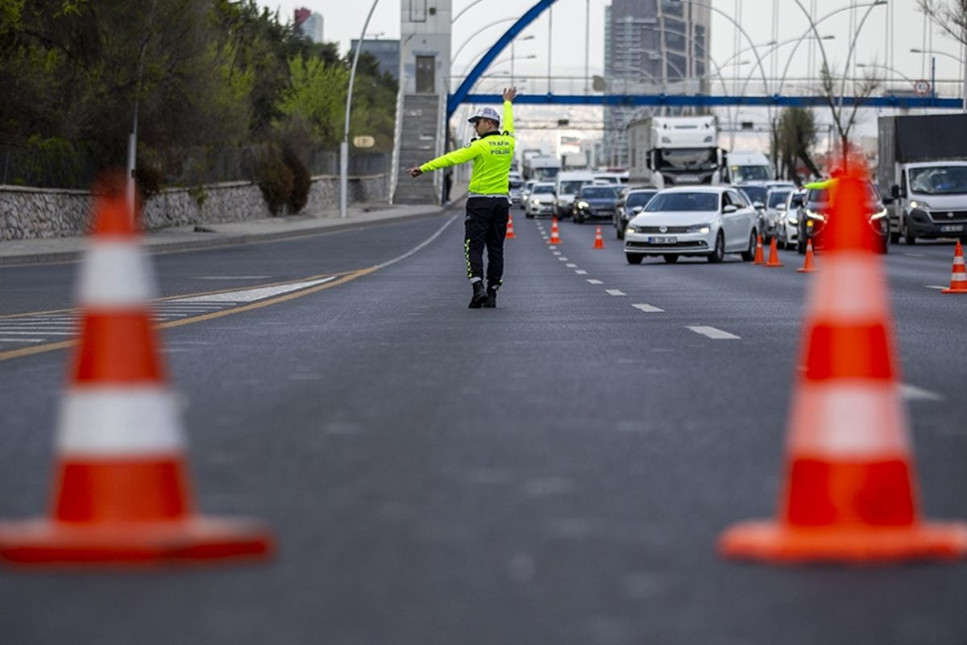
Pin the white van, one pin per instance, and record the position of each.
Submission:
(566, 187)
(748, 166)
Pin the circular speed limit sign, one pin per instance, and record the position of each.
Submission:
(921, 87)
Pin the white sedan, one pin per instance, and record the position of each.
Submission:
(705, 221)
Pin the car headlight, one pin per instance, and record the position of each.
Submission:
(924, 206)
(878, 215)
(583, 204)
(792, 219)
(815, 215)
(535, 202)
(631, 229)
(699, 228)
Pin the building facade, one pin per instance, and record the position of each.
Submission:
(309, 24)
(425, 46)
(651, 47)
(387, 53)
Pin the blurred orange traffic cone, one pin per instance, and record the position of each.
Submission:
(121, 494)
(773, 254)
(958, 276)
(850, 492)
(759, 258)
(555, 236)
(807, 266)
(510, 228)
(598, 240)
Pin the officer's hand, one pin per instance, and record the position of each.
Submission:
(510, 94)
(415, 171)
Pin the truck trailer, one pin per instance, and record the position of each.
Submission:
(923, 167)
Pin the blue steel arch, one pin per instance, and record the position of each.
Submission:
(458, 97)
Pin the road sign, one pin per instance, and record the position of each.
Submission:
(364, 141)
(921, 87)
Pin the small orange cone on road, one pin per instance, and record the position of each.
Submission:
(598, 240)
(850, 491)
(958, 275)
(759, 257)
(808, 265)
(773, 254)
(510, 228)
(121, 492)
(555, 235)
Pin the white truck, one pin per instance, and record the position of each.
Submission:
(542, 168)
(746, 166)
(922, 174)
(670, 151)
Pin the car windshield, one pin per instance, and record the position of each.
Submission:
(684, 202)
(821, 195)
(639, 199)
(777, 197)
(755, 193)
(516, 183)
(543, 189)
(597, 192)
(750, 173)
(939, 180)
(571, 187)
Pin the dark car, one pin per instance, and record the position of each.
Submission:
(814, 214)
(630, 203)
(594, 201)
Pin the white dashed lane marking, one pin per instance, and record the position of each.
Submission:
(615, 292)
(581, 272)
(914, 393)
(593, 281)
(713, 333)
(651, 309)
(571, 265)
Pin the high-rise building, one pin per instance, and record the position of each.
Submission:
(651, 47)
(309, 23)
(387, 53)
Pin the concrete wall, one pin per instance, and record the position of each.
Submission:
(30, 213)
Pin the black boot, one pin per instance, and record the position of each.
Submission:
(479, 296)
(491, 297)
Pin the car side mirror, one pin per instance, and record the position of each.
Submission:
(758, 205)
(895, 192)
(780, 207)
(729, 208)
(887, 201)
(637, 209)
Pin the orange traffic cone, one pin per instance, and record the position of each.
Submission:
(121, 494)
(850, 494)
(759, 258)
(808, 266)
(773, 254)
(958, 276)
(598, 240)
(555, 236)
(510, 228)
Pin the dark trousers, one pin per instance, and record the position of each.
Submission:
(485, 226)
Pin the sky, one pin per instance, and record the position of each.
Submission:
(882, 44)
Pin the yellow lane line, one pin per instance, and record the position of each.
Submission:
(49, 347)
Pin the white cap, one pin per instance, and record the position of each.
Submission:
(486, 112)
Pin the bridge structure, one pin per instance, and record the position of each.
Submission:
(463, 93)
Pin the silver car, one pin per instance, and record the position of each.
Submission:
(775, 210)
(540, 201)
(787, 226)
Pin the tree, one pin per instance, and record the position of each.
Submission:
(844, 118)
(949, 15)
(795, 138)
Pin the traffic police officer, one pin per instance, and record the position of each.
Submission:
(488, 203)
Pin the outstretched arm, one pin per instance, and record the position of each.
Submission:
(508, 123)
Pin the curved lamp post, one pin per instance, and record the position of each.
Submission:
(962, 63)
(344, 146)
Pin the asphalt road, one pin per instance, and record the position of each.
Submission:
(556, 470)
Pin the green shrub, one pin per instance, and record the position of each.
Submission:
(301, 181)
(275, 180)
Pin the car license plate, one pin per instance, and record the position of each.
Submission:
(688, 179)
(663, 240)
(952, 229)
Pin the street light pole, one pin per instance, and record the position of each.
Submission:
(344, 146)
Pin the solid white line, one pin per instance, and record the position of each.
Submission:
(593, 281)
(21, 340)
(712, 332)
(914, 393)
(420, 246)
(39, 331)
(581, 272)
(648, 308)
(251, 295)
(615, 292)
(933, 286)
(234, 277)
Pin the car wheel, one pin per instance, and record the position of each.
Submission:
(908, 237)
(528, 215)
(718, 253)
(633, 258)
(749, 255)
(670, 258)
